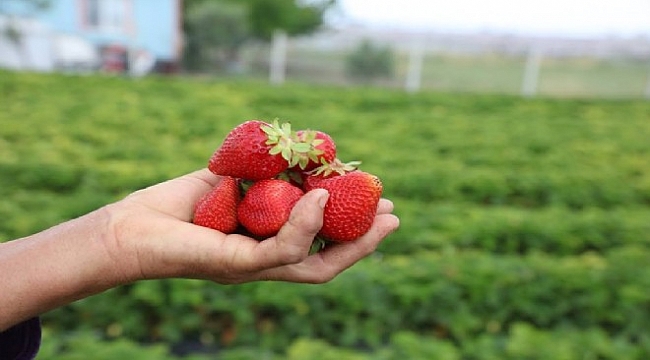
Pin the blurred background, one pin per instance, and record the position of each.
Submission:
(555, 48)
(512, 137)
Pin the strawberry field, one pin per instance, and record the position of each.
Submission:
(525, 223)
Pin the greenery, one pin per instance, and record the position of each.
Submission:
(294, 17)
(524, 222)
(370, 61)
(217, 31)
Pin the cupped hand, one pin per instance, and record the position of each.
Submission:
(153, 237)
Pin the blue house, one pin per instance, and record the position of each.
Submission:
(121, 30)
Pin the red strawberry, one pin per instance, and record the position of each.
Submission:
(323, 150)
(266, 206)
(254, 150)
(218, 208)
(352, 203)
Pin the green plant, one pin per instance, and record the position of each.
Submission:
(216, 32)
(370, 61)
(524, 222)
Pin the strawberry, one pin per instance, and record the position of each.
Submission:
(352, 203)
(323, 150)
(254, 150)
(218, 208)
(266, 206)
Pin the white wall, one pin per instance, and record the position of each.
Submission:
(34, 49)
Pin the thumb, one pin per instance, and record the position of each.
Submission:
(292, 243)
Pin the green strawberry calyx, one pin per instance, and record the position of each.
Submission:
(335, 167)
(312, 154)
(284, 141)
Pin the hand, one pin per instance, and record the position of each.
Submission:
(148, 235)
(153, 237)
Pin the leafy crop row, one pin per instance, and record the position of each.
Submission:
(524, 223)
(555, 230)
(524, 341)
(456, 296)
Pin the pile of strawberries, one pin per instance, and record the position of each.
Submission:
(267, 167)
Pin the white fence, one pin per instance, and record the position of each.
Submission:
(616, 68)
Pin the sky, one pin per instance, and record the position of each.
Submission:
(571, 18)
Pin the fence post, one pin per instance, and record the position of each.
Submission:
(414, 74)
(647, 86)
(278, 57)
(531, 72)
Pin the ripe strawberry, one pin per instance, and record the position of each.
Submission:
(254, 150)
(323, 150)
(218, 208)
(352, 203)
(266, 206)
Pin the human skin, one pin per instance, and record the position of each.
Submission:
(149, 235)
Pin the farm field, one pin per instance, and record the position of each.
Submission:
(525, 223)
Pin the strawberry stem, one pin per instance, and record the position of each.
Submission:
(317, 245)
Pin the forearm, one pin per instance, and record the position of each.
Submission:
(57, 266)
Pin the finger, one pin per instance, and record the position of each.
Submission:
(341, 256)
(327, 264)
(291, 244)
(385, 206)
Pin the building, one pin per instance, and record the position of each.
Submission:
(126, 35)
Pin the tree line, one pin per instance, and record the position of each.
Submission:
(217, 30)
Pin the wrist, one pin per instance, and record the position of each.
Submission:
(88, 245)
(57, 266)
(119, 254)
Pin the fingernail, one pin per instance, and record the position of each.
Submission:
(322, 200)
